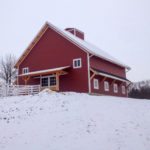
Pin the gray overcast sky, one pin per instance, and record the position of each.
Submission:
(120, 27)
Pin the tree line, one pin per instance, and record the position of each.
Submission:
(140, 91)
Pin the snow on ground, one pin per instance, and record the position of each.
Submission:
(71, 121)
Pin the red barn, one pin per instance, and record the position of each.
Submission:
(63, 61)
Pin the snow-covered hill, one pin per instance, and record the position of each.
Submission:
(71, 121)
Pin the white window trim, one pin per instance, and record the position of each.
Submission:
(116, 89)
(96, 87)
(48, 80)
(77, 60)
(106, 85)
(24, 69)
(123, 90)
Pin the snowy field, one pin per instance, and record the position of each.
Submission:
(71, 121)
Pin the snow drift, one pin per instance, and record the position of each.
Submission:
(71, 121)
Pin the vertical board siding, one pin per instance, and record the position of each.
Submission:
(106, 66)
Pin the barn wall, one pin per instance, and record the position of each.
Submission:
(111, 90)
(53, 51)
(106, 66)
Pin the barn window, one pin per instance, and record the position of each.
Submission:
(52, 81)
(48, 81)
(25, 70)
(96, 84)
(123, 90)
(77, 63)
(44, 81)
(115, 88)
(106, 86)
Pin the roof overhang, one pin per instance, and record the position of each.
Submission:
(98, 72)
(60, 70)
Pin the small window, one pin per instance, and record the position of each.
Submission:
(25, 70)
(106, 86)
(77, 63)
(96, 84)
(123, 90)
(52, 81)
(44, 82)
(115, 88)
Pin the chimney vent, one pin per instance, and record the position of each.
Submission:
(76, 32)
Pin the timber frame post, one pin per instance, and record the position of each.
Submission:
(128, 85)
(113, 82)
(93, 75)
(103, 79)
(121, 84)
(57, 81)
(26, 79)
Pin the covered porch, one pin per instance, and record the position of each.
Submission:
(48, 78)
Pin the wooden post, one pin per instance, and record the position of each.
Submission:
(57, 81)
(113, 82)
(93, 75)
(121, 84)
(128, 85)
(104, 79)
(26, 78)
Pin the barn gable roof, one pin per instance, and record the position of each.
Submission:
(86, 46)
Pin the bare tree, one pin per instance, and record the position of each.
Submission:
(7, 70)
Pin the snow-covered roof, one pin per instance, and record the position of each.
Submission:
(90, 47)
(45, 71)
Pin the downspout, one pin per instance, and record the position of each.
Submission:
(89, 82)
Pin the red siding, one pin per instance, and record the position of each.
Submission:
(106, 66)
(111, 89)
(54, 51)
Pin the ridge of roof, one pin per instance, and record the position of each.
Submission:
(86, 46)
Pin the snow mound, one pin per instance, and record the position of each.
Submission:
(74, 121)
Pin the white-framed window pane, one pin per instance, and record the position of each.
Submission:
(25, 70)
(115, 88)
(96, 84)
(123, 90)
(52, 81)
(106, 86)
(44, 82)
(77, 63)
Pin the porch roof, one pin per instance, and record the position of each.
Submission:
(45, 72)
(105, 74)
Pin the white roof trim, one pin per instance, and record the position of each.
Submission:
(43, 71)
